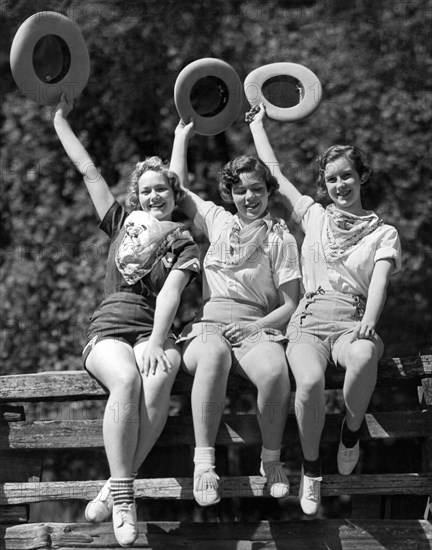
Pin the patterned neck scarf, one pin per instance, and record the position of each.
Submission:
(344, 231)
(237, 243)
(144, 242)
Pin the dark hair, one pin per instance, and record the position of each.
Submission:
(241, 165)
(354, 154)
(155, 164)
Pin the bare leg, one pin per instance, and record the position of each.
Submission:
(360, 359)
(155, 401)
(113, 363)
(308, 367)
(209, 362)
(266, 367)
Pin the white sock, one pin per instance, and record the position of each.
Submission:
(270, 456)
(204, 455)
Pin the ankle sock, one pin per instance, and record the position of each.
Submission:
(268, 455)
(204, 456)
(349, 438)
(122, 490)
(312, 468)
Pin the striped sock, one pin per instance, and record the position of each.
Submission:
(122, 490)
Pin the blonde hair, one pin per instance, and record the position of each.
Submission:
(154, 164)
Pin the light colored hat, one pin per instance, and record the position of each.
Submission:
(49, 57)
(210, 91)
(289, 91)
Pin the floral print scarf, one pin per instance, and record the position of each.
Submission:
(237, 243)
(344, 230)
(144, 242)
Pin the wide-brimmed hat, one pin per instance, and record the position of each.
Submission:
(289, 91)
(210, 91)
(49, 57)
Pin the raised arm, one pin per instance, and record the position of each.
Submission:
(178, 164)
(266, 154)
(97, 187)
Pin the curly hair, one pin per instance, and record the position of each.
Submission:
(230, 175)
(155, 164)
(354, 154)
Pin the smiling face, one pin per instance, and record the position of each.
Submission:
(250, 196)
(155, 195)
(343, 185)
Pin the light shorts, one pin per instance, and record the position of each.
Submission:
(214, 316)
(326, 319)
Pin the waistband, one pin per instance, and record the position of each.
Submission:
(129, 296)
(227, 310)
(333, 295)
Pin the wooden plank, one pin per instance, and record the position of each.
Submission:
(234, 430)
(72, 385)
(230, 487)
(295, 535)
(427, 392)
(46, 385)
(11, 413)
(14, 514)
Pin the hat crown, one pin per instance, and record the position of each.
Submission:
(51, 58)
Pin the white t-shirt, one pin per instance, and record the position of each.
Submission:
(255, 281)
(353, 271)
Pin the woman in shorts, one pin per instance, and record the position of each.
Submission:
(348, 255)
(130, 349)
(250, 289)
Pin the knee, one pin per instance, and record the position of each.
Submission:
(274, 374)
(362, 356)
(175, 361)
(128, 383)
(215, 356)
(309, 384)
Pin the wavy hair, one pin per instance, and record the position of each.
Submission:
(154, 164)
(354, 154)
(230, 175)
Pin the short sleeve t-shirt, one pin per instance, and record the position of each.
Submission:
(256, 281)
(352, 272)
(183, 254)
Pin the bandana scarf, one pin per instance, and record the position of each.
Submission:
(345, 230)
(144, 242)
(238, 244)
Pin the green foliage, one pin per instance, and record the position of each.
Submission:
(373, 59)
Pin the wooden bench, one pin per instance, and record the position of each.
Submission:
(46, 413)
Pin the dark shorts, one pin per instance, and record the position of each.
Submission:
(123, 317)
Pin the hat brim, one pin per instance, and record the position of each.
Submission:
(310, 93)
(223, 88)
(70, 81)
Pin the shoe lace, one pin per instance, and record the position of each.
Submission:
(124, 513)
(312, 487)
(348, 453)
